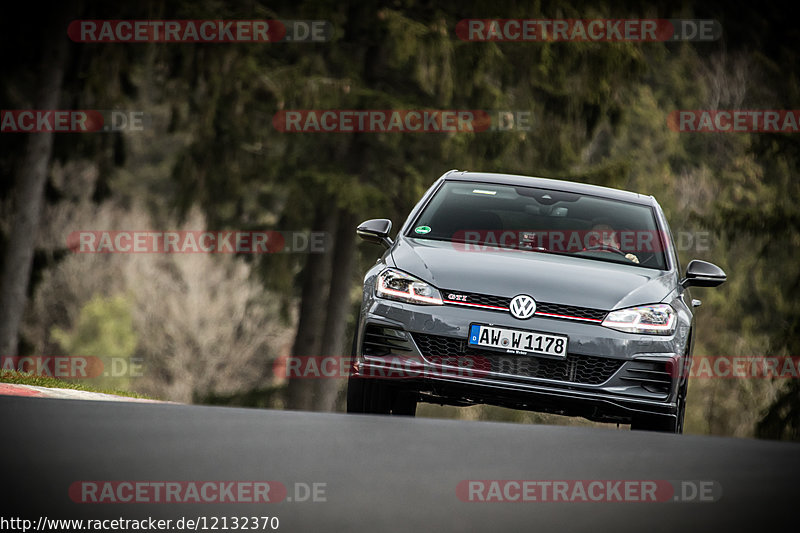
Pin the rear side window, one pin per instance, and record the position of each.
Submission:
(480, 216)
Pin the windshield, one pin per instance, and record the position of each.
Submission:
(478, 217)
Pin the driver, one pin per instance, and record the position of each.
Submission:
(608, 237)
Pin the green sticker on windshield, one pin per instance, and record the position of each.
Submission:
(422, 229)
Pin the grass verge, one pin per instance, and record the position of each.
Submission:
(27, 378)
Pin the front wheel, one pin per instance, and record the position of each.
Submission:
(375, 396)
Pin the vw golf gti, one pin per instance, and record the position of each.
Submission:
(528, 293)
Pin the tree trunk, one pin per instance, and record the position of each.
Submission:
(338, 308)
(782, 419)
(311, 325)
(28, 195)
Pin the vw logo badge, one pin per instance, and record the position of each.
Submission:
(522, 306)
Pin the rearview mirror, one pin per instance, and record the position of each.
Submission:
(376, 230)
(703, 274)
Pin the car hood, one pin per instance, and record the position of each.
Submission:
(546, 277)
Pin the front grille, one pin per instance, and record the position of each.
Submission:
(584, 369)
(585, 313)
(475, 298)
(543, 309)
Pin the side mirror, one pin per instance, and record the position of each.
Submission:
(376, 231)
(703, 274)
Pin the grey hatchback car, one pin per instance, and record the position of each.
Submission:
(528, 293)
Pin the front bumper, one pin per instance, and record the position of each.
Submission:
(607, 376)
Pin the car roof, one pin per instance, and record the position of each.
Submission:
(549, 183)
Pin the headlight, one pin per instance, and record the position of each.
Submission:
(396, 285)
(658, 319)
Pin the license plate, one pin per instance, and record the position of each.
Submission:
(517, 341)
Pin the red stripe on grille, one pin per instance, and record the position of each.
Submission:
(476, 305)
(569, 317)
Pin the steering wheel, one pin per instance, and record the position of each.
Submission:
(607, 248)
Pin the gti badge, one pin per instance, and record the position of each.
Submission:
(522, 306)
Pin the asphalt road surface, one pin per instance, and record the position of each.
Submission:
(378, 473)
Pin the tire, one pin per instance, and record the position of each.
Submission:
(682, 406)
(662, 424)
(375, 396)
(366, 396)
(404, 403)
